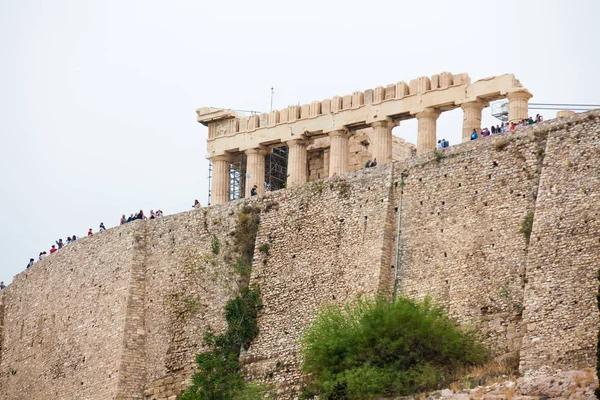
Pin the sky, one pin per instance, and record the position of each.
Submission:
(98, 98)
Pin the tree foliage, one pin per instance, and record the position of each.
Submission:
(218, 376)
(381, 348)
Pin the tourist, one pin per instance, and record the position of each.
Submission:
(253, 191)
(42, 255)
(60, 243)
(31, 261)
(539, 118)
(374, 163)
(498, 129)
(493, 129)
(196, 204)
(140, 215)
(485, 132)
(123, 219)
(90, 233)
(368, 163)
(530, 121)
(512, 126)
(152, 214)
(102, 227)
(439, 144)
(53, 249)
(474, 134)
(445, 143)
(69, 240)
(130, 218)
(2, 285)
(159, 213)
(74, 238)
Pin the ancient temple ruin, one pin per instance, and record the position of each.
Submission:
(337, 135)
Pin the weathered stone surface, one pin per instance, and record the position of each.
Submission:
(121, 314)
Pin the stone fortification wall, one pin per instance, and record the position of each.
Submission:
(188, 287)
(64, 320)
(122, 313)
(564, 252)
(460, 243)
(325, 242)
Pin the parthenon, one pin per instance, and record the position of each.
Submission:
(340, 122)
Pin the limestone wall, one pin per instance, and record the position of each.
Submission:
(121, 314)
(325, 246)
(460, 242)
(564, 253)
(64, 320)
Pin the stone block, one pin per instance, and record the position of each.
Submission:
(305, 111)
(368, 96)
(264, 119)
(326, 106)
(315, 108)
(293, 113)
(283, 115)
(274, 117)
(378, 94)
(253, 122)
(435, 81)
(336, 104)
(446, 80)
(401, 90)
(461, 79)
(390, 91)
(243, 124)
(347, 102)
(358, 99)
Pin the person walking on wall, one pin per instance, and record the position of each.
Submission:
(474, 134)
(2, 285)
(59, 243)
(368, 163)
(90, 233)
(53, 249)
(253, 190)
(102, 227)
(31, 261)
(374, 163)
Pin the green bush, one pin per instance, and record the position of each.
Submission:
(218, 376)
(380, 348)
(527, 226)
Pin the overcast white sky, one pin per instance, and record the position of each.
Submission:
(97, 98)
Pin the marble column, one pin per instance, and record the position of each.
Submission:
(381, 141)
(296, 167)
(518, 105)
(219, 190)
(472, 118)
(338, 152)
(255, 170)
(426, 133)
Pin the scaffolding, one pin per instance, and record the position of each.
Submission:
(276, 169)
(237, 179)
(209, 180)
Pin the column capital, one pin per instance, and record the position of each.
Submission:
(338, 132)
(477, 104)
(296, 142)
(519, 94)
(257, 150)
(428, 112)
(222, 157)
(384, 123)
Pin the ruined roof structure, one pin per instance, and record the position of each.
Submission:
(339, 118)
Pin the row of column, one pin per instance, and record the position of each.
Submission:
(381, 146)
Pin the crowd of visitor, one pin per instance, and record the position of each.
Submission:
(506, 127)
(59, 244)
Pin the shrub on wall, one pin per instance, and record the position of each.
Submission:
(380, 348)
